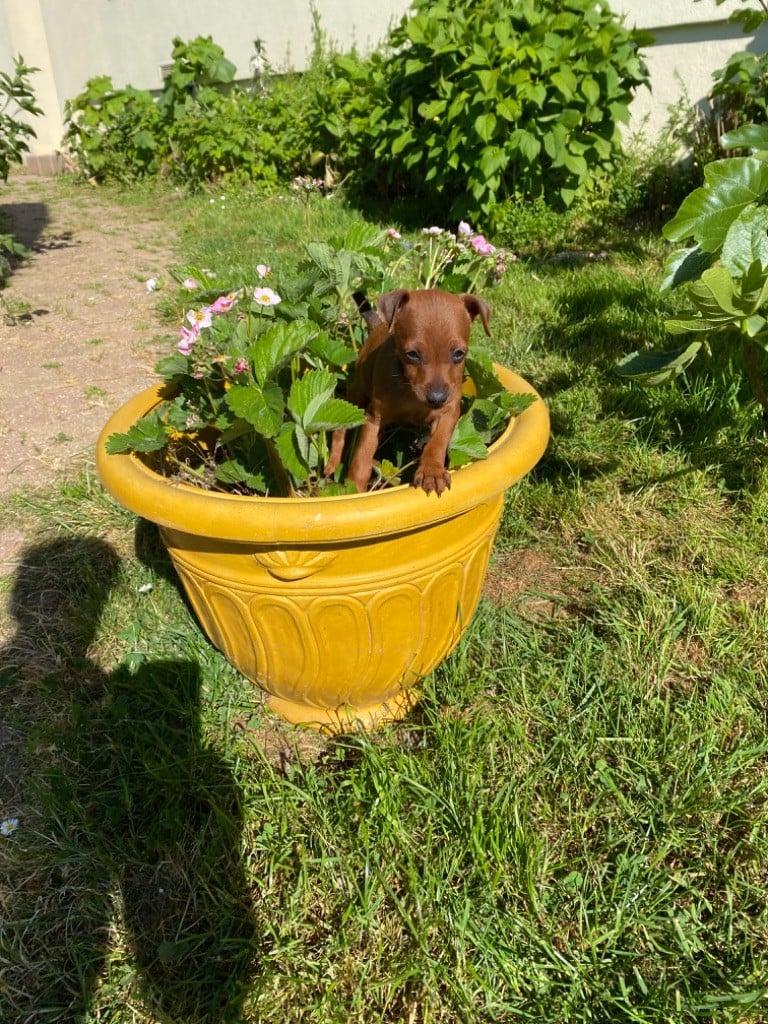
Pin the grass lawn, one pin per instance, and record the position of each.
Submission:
(573, 825)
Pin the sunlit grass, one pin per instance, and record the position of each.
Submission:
(573, 825)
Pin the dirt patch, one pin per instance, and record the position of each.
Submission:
(529, 582)
(79, 331)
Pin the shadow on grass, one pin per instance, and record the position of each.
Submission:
(138, 822)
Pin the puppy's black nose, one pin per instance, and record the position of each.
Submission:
(437, 396)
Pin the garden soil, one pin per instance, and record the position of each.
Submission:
(79, 330)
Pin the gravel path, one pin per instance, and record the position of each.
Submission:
(78, 329)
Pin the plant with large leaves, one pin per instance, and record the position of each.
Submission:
(724, 264)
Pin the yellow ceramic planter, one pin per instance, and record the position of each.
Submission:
(337, 607)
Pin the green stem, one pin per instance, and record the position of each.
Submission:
(284, 484)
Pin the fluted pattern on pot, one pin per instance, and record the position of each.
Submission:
(333, 633)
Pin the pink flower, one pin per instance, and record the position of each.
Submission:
(263, 271)
(223, 304)
(394, 234)
(188, 339)
(190, 284)
(241, 365)
(464, 229)
(265, 297)
(482, 247)
(200, 318)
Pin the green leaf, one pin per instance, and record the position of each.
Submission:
(149, 434)
(173, 366)
(262, 407)
(746, 241)
(234, 472)
(748, 136)
(331, 351)
(295, 451)
(333, 414)
(684, 265)
(684, 325)
(467, 443)
(718, 297)
(275, 349)
(309, 393)
(485, 126)
(708, 212)
(652, 369)
(754, 325)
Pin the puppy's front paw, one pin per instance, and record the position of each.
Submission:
(432, 478)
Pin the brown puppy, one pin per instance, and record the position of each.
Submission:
(411, 370)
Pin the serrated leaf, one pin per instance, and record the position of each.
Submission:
(262, 407)
(234, 472)
(149, 434)
(328, 349)
(275, 349)
(334, 414)
(172, 366)
(295, 451)
(467, 443)
(308, 393)
(652, 369)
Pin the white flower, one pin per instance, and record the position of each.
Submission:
(464, 228)
(152, 284)
(262, 270)
(266, 297)
(9, 826)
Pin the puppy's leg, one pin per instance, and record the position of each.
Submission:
(431, 474)
(362, 461)
(337, 448)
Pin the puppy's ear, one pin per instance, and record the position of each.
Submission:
(390, 303)
(476, 306)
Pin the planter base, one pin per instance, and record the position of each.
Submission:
(344, 719)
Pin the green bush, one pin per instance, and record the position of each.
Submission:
(475, 101)
(202, 127)
(113, 134)
(16, 97)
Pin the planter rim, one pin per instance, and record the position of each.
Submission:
(250, 519)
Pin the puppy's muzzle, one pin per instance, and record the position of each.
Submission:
(436, 396)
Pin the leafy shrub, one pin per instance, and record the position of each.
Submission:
(202, 127)
(16, 97)
(114, 133)
(472, 102)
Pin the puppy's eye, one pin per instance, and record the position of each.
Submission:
(457, 355)
(412, 356)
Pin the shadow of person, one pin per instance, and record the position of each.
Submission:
(133, 847)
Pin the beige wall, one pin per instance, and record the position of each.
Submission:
(73, 40)
(692, 41)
